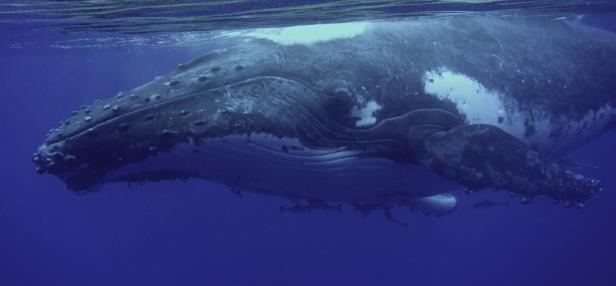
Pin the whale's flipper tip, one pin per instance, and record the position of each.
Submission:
(483, 156)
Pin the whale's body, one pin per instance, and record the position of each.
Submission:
(376, 117)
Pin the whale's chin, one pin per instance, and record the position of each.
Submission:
(284, 167)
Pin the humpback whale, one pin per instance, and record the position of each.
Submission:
(392, 114)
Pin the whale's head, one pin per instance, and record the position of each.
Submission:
(215, 96)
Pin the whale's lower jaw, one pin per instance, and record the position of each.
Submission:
(284, 167)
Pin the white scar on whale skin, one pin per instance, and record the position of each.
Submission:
(366, 113)
(304, 35)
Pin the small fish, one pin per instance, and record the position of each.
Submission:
(312, 205)
(296, 209)
(318, 204)
(488, 204)
(366, 208)
(389, 216)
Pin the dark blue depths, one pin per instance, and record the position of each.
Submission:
(198, 233)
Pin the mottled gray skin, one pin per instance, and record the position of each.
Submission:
(307, 92)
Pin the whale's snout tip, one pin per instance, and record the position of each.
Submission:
(55, 160)
(50, 157)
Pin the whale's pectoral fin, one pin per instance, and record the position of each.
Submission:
(480, 156)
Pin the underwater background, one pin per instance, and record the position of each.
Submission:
(55, 55)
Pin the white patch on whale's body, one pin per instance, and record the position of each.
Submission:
(472, 99)
(366, 113)
(481, 105)
(284, 167)
(305, 34)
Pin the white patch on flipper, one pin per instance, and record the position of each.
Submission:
(304, 35)
(366, 113)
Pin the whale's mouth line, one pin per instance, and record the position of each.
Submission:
(167, 101)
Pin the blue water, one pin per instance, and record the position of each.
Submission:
(199, 233)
